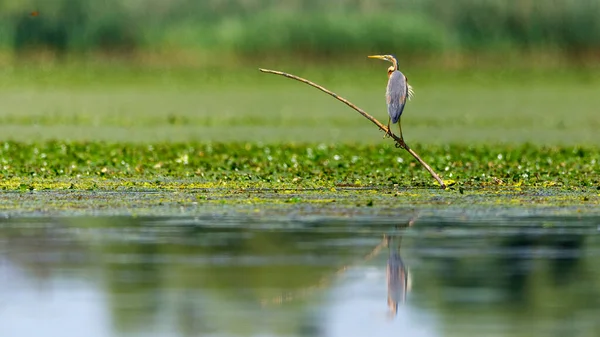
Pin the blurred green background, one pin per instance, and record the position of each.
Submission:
(320, 29)
(141, 70)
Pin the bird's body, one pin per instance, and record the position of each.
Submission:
(397, 93)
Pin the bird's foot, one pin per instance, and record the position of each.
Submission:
(401, 144)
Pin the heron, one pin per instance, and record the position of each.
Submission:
(397, 92)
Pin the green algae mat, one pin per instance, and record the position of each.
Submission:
(70, 178)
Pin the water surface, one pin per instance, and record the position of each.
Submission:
(180, 276)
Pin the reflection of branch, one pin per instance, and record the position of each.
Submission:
(291, 296)
(325, 280)
(399, 142)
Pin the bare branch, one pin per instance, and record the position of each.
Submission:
(399, 142)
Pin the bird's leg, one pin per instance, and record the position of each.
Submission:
(401, 138)
(389, 132)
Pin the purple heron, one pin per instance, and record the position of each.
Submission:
(397, 92)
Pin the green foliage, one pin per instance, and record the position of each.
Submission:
(300, 165)
(73, 25)
(333, 34)
(34, 33)
(569, 25)
(316, 28)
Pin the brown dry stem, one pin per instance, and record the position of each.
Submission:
(399, 142)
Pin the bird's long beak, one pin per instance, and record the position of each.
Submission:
(385, 58)
(380, 57)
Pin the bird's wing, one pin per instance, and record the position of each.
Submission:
(397, 93)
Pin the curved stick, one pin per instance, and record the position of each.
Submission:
(324, 281)
(399, 142)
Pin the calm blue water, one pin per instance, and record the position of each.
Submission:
(120, 276)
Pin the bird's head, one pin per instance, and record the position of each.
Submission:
(389, 58)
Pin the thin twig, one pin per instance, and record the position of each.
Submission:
(399, 142)
(324, 281)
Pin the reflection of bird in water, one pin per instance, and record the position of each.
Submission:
(397, 274)
(397, 280)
